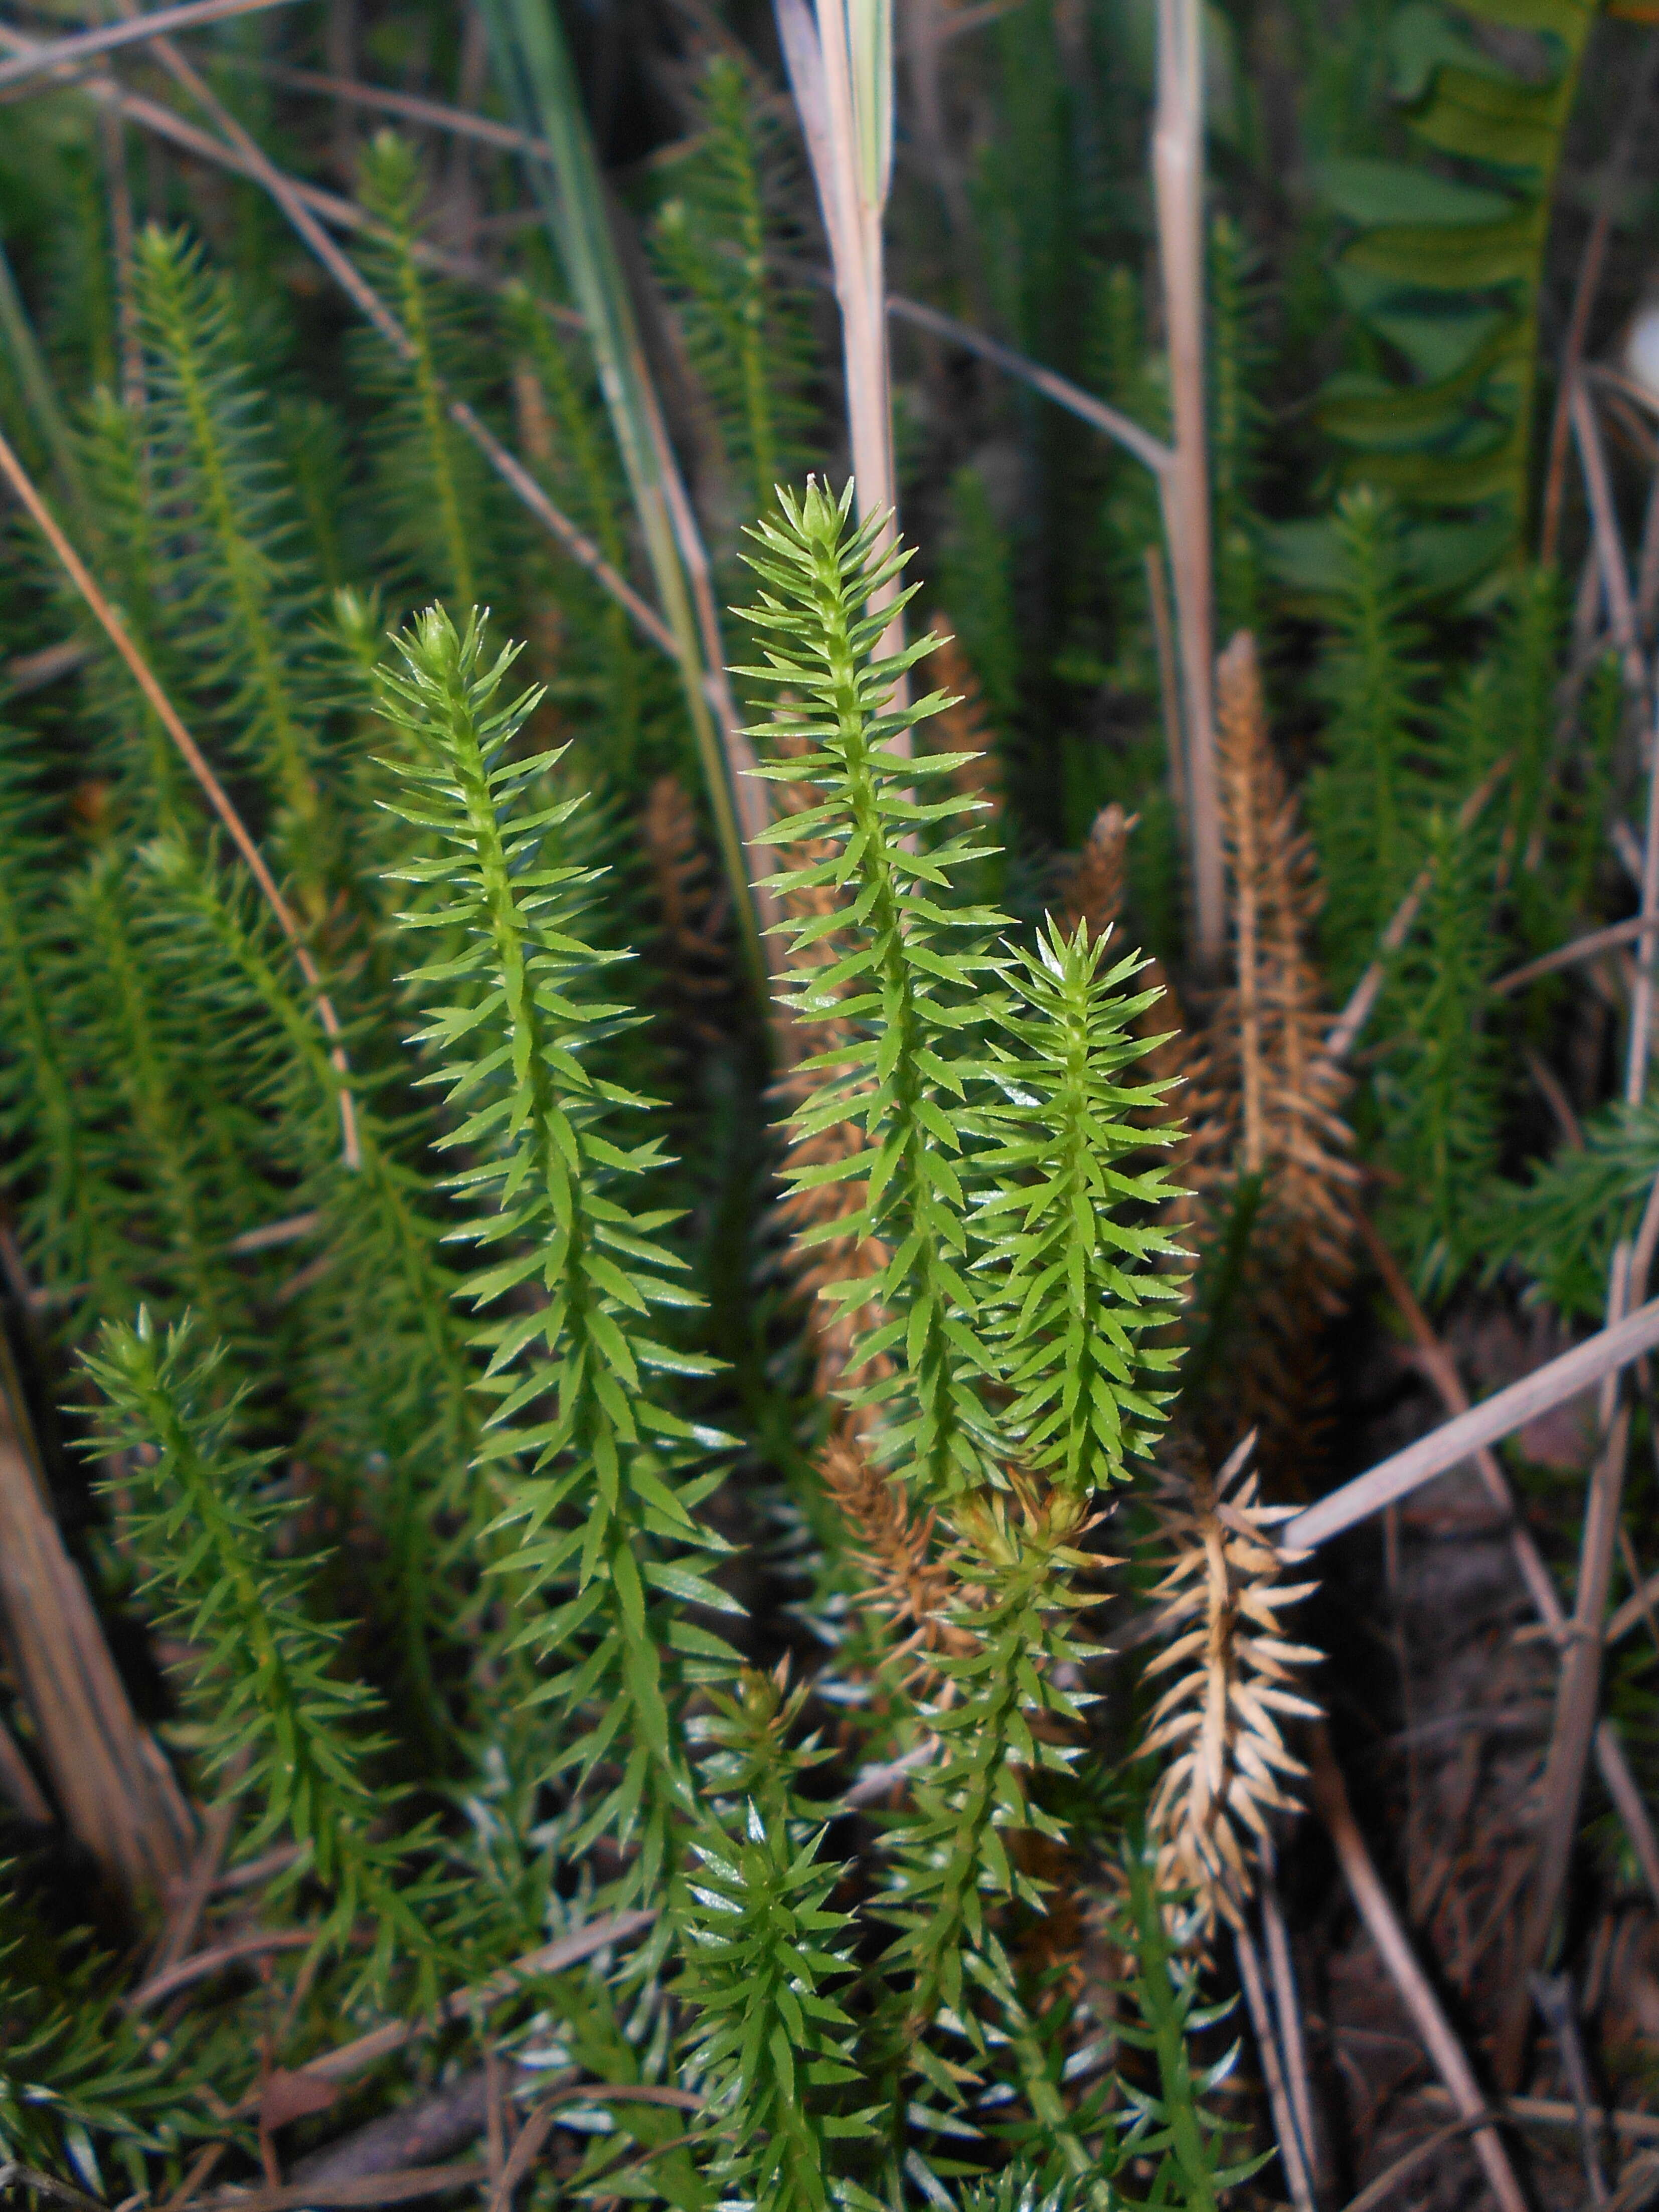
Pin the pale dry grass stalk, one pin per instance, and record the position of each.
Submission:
(839, 60)
(1221, 1594)
(1178, 179)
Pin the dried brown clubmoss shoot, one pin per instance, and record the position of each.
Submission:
(693, 906)
(1221, 1595)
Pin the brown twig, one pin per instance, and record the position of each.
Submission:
(257, 1944)
(64, 54)
(366, 2051)
(1287, 2007)
(112, 627)
(1495, 1418)
(1609, 547)
(18, 1785)
(14, 2176)
(1343, 1032)
(1150, 451)
(1394, 1948)
(1579, 1686)
(1272, 2071)
(180, 1931)
(1581, 948)
(400, 2188)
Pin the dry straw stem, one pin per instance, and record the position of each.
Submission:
(1273, 2072)
(1221, 1595)
(1178, 179)
(841, 70)
(1345, 1031)
(112, 627)
(64, 54)
(1394, 1948)
(1440, 1370)
(1495, 1418)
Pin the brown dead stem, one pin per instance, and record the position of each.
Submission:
(1222, 1595)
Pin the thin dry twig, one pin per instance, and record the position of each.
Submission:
(1150, 451)
(398, 2188)
(1394, 1948)
(366, 2051)
(1591, 262)
(59, 55)
(185, 1915)
(1493, 1419)
(1579, 1686)
(1609, 546)
(1273, 2070)
(258, 1943)
(112, 627)
(18, 1785)
(1344, 1033)
(1581, 948)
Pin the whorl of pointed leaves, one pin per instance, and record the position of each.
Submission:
(761, 1944)
(283, 1729)
(1071, 1230)
(914, 981)
(1222, 1595)
(1001, 1717)
(602, 1496)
